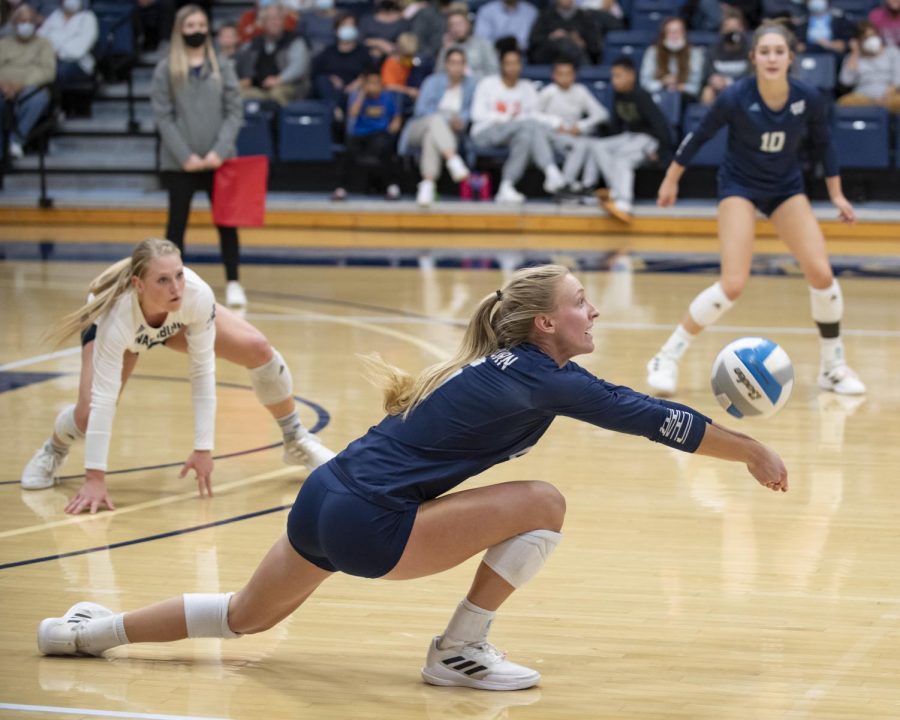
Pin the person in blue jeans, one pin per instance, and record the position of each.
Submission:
(373, 121)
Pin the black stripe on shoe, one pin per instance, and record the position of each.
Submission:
(463, 665)
(450, 661)
(475, 669)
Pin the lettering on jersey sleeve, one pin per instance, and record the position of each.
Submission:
(212, 317)
(797, 108)
(677, 426)
(503, 358)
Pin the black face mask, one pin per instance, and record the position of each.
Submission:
(732, 39)
(195, 40)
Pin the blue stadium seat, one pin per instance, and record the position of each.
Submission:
(538, 74)
(255, 135)
(596, 79)
(670, 104)
(304, 131)
(703, 38)
(627, 42)
(861, 136)
(115, 25)
(854, 10)
(713, 151)
(648, 14)
(818, 69)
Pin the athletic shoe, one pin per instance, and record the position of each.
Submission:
(40, 472)
(235, 297)
(457, 169)
(16, 151)
(841, 380)
(339, 195)
(508, 195)
(393, 192)
(662, 375)
(617, 209)
(425, 195)
(304, 448)
(475, 665)
(65, 635)
(553, 179)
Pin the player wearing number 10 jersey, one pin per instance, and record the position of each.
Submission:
(768, 116)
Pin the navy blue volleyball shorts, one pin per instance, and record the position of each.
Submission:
(765, 201)
(89, 334)
(338, 530)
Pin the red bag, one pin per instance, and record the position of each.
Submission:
(239, 192)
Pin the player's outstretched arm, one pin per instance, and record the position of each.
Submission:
(668, 189)
(764, 464)
(91, 495)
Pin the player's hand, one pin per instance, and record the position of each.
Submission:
(212, 160)
(193, 164)
(91, 495)
(668, 193)
(768, 469)
(201, 463)
(846, 213)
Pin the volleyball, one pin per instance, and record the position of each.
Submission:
(752, 377)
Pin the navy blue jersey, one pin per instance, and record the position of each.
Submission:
(763, 145)
(493, 410)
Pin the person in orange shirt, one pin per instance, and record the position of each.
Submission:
(403, 71)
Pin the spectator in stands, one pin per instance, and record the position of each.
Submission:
(504, 18)
(380, 30)
(7, 8)
(428, 24)
(872, 70)
(441, 115)
(705, 15)
(228, 44)
(672, 63)
(639, 133)
(504, 113)
(405, 70)
(729, 59)
(605, 15)
(337, 69)
(573, 114)
(317, 25)
(197, 107)
(250, 22)
(27, 62)
(481, 57)
(72, 30)
(43, 8)
(373, 120)
(563, 29)
(274, 65)
(886, 18)
(824, 30)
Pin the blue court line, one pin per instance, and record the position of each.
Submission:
(323, 417)
(149, 538)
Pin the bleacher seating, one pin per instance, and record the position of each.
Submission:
(861, 136)
(647, 15)
(632, 43)
(713, 151)
(255, 136)
(304, 131)
(818, 69)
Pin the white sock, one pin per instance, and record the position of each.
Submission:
(832, 352)
(469, 624)
(101, 634)
(678, 342)
(290, 424)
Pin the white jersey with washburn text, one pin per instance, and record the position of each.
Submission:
(124, 328)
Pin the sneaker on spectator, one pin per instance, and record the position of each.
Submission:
(457, 169)
(621, 211)
(15, 149)
(393, 192)
(508, 195)
(425, 195)
(553, 179)
(339, 195)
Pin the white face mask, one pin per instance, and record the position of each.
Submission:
(872, 45)
(347, 33)
(324, 4)
(674, 45)
(71, 6)
(25, 30)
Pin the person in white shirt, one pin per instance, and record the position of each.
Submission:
(136, 304)
(72, 30)
(504, 114)
(573, 114)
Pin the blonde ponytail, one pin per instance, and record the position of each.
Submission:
(502, 319)
(108, 286)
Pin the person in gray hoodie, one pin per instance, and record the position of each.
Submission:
(197, 107)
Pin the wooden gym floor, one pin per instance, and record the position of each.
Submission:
(681, 589)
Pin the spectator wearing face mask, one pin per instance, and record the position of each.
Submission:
(886, 19)
(728, 60)
(872, 71)
(26, 63)
(317, 25)
(823, 29)
(72, 30)
(337, 69)
(672, 63)
(380, 30)
(250, 22)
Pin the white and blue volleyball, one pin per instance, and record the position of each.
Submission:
(752, 377)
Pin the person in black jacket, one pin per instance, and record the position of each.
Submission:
(639, 133)
(338, 69)
(563, 30)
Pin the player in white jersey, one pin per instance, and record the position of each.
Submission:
(136, 304)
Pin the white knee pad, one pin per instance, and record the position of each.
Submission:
(518, 559)
(272, 382)
(206, 615)
(827, 304)
(710, 305)
(65, 428)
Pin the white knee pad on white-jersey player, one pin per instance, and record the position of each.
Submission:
(64, 426)
(206, 615)
(827, 304)
(710, 305)
(518, 559)
(272, 382)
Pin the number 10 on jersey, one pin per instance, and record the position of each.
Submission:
(772, 142)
